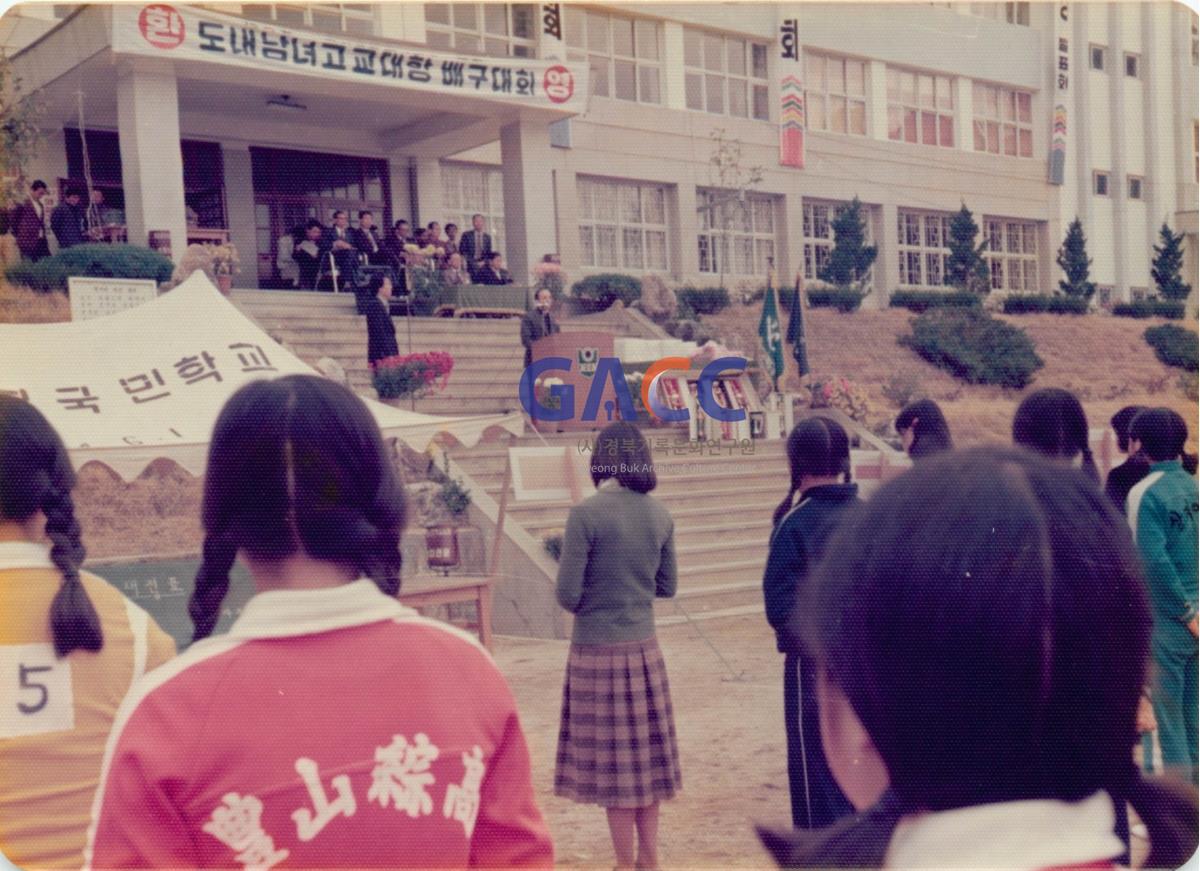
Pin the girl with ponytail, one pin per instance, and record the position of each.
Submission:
(78, 645)
(1052, 422)
(982, 631)
(293, 735)
(818, 451)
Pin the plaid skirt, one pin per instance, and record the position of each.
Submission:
(616, 741)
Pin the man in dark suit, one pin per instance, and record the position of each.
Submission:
(308, 254)
(475, 245)
(381, 329)
(338, 241)
(537, 323)
(67, 219)
(366, 239)
(29, 224)
(493, 271)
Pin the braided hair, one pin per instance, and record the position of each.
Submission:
(817, 447)
(36, 475)
(297, 465)
(1051, 421)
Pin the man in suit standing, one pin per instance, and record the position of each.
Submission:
(475, 245)
(29, 224)
(538, 323)
(366, 239)
(381, 329)
(493, 271)
(308, 254)
(339, 242)
(67, 219)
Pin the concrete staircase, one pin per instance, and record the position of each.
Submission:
(487, 352)
(722, 507)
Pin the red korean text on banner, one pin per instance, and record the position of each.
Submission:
(558, 84)
(162, 26)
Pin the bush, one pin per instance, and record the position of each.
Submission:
(974, 347)
(1150, 308)
(597, 292)
(1173, 345)
(923, 300)
(687, 331)
(703, 300)
(842, 300)
(92, 261)
(1028, 303)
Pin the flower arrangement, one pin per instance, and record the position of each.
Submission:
(842, 394)
(542, 392)
(550, 276)
(412, 375)
(224, 259)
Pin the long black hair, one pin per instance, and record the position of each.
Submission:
(297, 465)
(985, 573)
(817, 447)
(1051, 421)
(932, 433)
(623, 453)
(36, 475)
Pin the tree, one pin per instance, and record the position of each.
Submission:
(734, 181)
(966, 268)
(19, 134)
(1166, 266)
(1073, 260)
(851, 259)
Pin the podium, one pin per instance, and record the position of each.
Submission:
(584, 348)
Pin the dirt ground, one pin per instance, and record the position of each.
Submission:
(733, 754)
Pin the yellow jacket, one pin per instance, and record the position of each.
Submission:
(55, 714)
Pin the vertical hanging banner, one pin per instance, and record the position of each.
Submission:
(1062, 93)
(553, 39)
(791, 96)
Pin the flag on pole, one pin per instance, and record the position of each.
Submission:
(769, 332)
(795, 331)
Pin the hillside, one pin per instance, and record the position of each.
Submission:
(1102, 360)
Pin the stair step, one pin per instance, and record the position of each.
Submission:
(737, 611)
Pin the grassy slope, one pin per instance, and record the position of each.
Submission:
(1103, 360)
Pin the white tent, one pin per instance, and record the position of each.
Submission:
(148, 382)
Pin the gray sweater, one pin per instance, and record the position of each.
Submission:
(618, 554)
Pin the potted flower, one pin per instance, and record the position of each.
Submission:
(225, 264)
(408, 376)
(840, 393)
(441, 538)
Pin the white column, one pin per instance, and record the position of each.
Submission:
(964, 113)
(877, 101)
(528, 222)
(887, 261)
(1160, 189)
(674, 91)
(1118, 185)
(400, 190)
(685, 259)
(239, 203)
(429, 192)
(151, 159)
(789, 238)
(1079, 133)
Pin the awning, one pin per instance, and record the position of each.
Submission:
(149, 382)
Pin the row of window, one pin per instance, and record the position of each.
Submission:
(1102, 185)
(1098, 60)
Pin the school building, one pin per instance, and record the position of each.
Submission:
(590, 130)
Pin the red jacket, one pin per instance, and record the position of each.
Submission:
(329, 728)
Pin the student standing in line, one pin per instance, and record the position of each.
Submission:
(1121, 478)
(923, 429)
(1163, 511)
(331, 727)
(381, 329)
(1051, 421)
(71, 644)
(980, 663)
(616, 742)
(819, 463)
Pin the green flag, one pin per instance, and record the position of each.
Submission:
(770, 333)
(795, 332)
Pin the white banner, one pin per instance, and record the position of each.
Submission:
(150, 381)
(187, 33)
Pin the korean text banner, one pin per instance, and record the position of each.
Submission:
(149, 382)
(187, 33)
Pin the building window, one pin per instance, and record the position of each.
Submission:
(1135, 187)
(725, 75)
(923, 249)
(1132, 66)
(736, 238)
(469, 189)
(1097, 53)
(1003, 121)
(1104, 295)
(1013, 13)
(1011, 253)
(1137, 294)
(356, 18)
(1100, 183)
(1195, 45)
(622, 224)
(920, 108)
(496, 29)
(624, 54)
(819, 237)
(835, 94)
